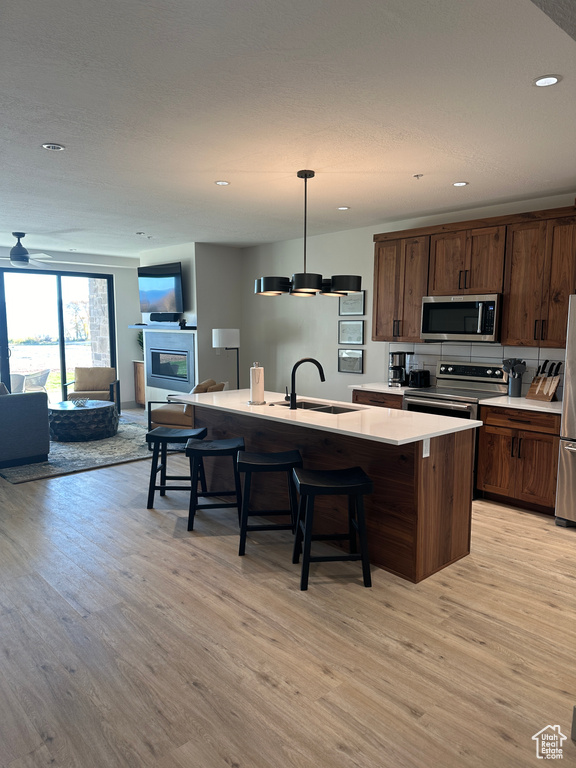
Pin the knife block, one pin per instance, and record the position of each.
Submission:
(543, 388)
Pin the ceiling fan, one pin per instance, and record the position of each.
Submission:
(20, 257)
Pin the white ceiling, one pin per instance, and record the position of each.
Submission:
(156, 99)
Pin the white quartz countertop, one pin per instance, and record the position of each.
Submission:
(522, 404)
(500, 402)
(379, 387)
(384, 425)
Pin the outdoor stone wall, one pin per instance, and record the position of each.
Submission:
(98, 314)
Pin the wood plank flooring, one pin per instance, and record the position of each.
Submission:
(127, 641)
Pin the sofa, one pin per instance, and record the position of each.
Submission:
(24, 428)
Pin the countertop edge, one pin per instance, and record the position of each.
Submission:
(236, 401)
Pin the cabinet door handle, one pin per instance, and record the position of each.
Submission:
(519, 448)
(466, 278)
(512, 449)
(543, 330)
(398, 331)
(536, 329)
(394, 327)
(522, 421)
(459, 279)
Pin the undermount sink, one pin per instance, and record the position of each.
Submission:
(300, 404)
(335, 409)
(319, 407)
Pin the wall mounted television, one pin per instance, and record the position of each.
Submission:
(160, 288)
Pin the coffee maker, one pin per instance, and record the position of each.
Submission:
(397, 369)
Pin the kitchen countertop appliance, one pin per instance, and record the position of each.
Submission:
(566, 483)
(459, 388)
(397, 369)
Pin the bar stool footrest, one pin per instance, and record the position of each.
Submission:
(333, 558)
(271, 527)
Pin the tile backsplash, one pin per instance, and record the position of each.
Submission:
(426, 355)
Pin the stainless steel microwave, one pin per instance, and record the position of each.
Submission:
(461, 318)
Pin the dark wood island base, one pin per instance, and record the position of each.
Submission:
(419, 515)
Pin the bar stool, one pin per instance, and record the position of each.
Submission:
(354, 483)
(197, 451)
(249, 463)
(159, 438)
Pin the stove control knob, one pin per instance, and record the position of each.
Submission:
(498, 373)
(442, 369)
(450, 369)
(489, 372)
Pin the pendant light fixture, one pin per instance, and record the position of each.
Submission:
(306, 284)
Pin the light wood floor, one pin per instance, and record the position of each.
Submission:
(127, 641)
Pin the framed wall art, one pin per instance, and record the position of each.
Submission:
(351, 332)
(351, 360)
(353, 304)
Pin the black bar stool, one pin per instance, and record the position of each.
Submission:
(249, 463)
(354, 483)
(158, 439)
(197, 451)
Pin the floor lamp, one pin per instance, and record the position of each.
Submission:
(228, 338)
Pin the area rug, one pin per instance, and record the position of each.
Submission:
(66, 458)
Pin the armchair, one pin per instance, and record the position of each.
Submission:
(36, 382)
(24, 420)
(178, 415)
(97, 383)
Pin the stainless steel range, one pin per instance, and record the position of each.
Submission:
(459, 388)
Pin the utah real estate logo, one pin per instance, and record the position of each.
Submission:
(549, 743)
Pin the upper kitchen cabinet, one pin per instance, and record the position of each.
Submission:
(540, 276)
(400, 282)
(467, 262)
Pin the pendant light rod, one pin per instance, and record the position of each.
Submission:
(305, 175)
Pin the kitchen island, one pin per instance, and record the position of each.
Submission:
(419, 515)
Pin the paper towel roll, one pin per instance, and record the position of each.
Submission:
(257, 385)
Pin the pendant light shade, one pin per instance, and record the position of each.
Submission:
(305, 284)
(272, 286)
(346, 283)
(327, 289)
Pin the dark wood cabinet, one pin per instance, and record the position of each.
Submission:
(518, 456)
(528, 257)
(400, 282)
(540, 276)
(467, 262)
(381, 399)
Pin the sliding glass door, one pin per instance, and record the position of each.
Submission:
(50, 323)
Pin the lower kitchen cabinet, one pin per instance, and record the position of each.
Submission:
(518, 457)
(382, 399)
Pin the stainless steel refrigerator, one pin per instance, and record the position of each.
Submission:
(566, 486)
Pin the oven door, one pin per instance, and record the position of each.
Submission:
(439, 407)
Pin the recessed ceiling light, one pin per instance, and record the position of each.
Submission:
(53, 147)
(545, 80)
(343, 207)
(460, 184)
(72, 249)
(222, 183)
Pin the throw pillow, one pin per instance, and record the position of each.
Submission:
(202, 387)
